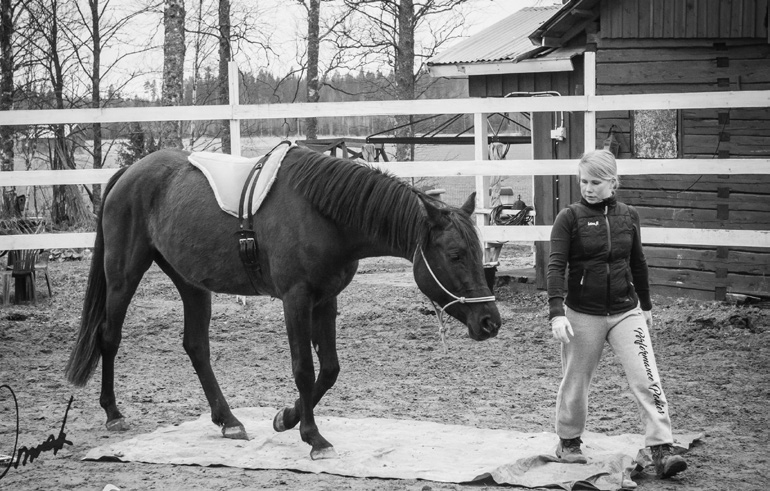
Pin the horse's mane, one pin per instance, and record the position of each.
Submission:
(370, 200)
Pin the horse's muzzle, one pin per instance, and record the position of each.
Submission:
(488, 328)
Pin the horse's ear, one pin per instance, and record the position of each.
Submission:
(470, 204)
(435, 216)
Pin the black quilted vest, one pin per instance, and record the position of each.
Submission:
(599, 276)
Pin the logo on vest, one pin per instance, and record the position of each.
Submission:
(593, 223)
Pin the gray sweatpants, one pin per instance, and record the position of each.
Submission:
(629, 338)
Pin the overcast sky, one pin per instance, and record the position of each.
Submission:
(289, 20)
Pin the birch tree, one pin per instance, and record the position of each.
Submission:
(385, 34)
(173, 69)
(313, 86)
(6, 99)
(225, 56)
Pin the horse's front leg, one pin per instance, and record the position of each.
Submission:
(298, 312)
(324, 340)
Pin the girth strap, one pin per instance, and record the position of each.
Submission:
(247, 240)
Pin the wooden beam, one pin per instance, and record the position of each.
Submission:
(650, 235)
(530, 233)
(47, 241)
(54, 177)
(440, 168)
(691, 100)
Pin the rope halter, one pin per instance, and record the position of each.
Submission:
(442, 328)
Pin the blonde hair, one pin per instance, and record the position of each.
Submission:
(600, 163)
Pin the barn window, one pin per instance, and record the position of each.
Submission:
(655, 134)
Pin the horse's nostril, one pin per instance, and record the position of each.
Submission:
(489, 326)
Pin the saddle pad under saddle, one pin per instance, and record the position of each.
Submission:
(227, 175)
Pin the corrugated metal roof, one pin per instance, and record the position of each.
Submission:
(505, 40)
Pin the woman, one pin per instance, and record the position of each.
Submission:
(597, 241)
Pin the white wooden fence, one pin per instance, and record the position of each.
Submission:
(479, 167)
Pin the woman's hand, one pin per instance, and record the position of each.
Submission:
(560, 327)
(647, 318)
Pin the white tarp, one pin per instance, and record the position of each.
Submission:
(389, 448)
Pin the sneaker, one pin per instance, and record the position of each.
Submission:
(667, 462)
(569, 451)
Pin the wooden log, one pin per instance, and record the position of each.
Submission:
(670, 291)
(751, 114)
(755, 262)
(738, 183)
(738, 127)
(666, 88)
(697, 218)
(707, 281)
(738, 145)
(659, 44)
(690, 199)
(679, 72)
(681, 53)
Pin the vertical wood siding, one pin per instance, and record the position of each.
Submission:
(727, 19)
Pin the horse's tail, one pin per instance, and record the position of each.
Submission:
(85, 355)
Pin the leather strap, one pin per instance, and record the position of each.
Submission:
(247, 240)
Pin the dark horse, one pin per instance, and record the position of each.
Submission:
(321, 216)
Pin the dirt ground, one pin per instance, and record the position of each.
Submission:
(714, 359)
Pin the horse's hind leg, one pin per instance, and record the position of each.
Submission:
(122, 283)
(323, 337)
(197, 316)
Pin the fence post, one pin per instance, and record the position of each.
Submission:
(235, 99)
(480, 153)
(589, 84)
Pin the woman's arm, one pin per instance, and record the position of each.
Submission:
(638, 263)
(557, 265)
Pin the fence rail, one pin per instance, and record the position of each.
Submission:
(478, 167)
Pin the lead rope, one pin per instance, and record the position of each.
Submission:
(442, 327)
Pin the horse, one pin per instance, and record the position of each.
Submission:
(321, 216)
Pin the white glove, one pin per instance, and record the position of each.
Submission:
(647, 318)
(560, 326)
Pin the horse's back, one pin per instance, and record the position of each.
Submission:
(162, 207)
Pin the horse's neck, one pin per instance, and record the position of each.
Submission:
(364, 247)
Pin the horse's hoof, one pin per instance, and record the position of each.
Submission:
(324, 453)
(278, 422)
(235, 432)
(119, 424)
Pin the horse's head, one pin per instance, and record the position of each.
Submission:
(448, 269)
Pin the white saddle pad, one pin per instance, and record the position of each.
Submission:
(227, 175)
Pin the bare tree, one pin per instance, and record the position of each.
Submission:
(52, 49)
(173, 69)
(321, 30)
(6, 100)
(225, 56)
(313, 86)
(96, 99)
(404, 74)
(385, 33)
(102, 31)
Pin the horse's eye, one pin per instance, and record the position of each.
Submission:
(455, 257)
